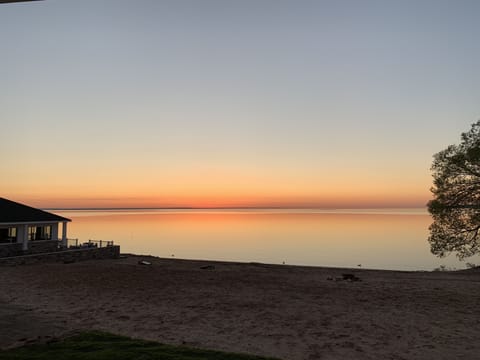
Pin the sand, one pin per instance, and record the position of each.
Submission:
(289, 312)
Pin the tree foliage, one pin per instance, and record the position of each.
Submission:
(455, 207)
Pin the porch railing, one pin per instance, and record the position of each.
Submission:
(8, 241)
(72, 243)
(75, 244)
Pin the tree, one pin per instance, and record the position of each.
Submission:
(455, 207)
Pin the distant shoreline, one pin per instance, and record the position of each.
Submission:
(229, 208)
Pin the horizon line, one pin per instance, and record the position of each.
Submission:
(231, 208)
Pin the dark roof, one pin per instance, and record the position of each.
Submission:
(13, 1)
(13, 212)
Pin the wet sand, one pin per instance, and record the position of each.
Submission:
(289, 312)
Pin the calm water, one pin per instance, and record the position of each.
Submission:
(377, 239)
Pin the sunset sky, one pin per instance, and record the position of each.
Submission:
(232, 103)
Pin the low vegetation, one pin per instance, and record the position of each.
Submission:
(104, 346)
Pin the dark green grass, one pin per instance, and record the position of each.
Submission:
(104, 346)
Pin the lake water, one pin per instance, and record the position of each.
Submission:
(375, 239)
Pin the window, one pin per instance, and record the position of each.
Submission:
(4, 235)
(40, 232)
(32, 233)
(12, 233)
(47, 232)
(8, 235)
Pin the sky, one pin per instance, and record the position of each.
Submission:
(203, 103)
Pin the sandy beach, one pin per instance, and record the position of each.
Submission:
(289, 312)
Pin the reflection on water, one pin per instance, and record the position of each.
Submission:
(379, 239)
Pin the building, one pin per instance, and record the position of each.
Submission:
(24, 229)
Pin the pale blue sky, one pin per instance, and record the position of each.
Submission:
(311, 88)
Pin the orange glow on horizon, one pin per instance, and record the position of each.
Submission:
(274, 188)
(217, 201)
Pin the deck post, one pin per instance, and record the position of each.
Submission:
(24, 237)
(64, 233)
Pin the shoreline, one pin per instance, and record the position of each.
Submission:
(300, 266)
(287, 311)
(325, 267)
